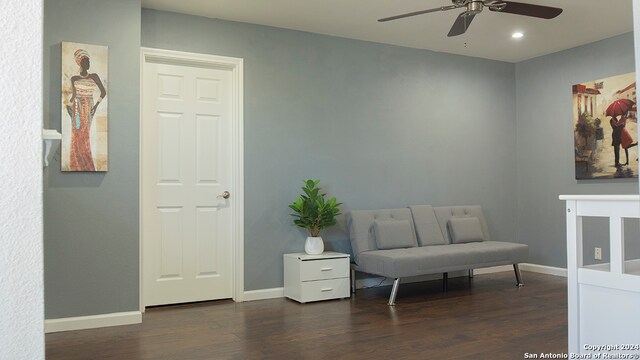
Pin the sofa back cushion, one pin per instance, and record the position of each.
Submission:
(361, 232)
(465, 230)
(427, 228)
(393, 234)
(445, 213)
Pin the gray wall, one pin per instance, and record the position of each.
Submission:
(381, 126)
(545, 146)
(91, 219)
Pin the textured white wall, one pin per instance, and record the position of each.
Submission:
(21, 265)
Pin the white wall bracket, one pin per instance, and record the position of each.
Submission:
(51, 139)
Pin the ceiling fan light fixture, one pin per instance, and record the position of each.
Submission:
(517, 35)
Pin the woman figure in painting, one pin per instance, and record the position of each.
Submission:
(623, 136)
(81, 110)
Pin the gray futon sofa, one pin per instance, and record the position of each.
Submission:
(422, 239)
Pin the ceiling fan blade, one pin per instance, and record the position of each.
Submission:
(461, 24)
(539, 11)
(442, 8)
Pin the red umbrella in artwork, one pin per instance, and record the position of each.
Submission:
(620, 107)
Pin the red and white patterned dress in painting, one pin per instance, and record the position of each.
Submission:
(80, 155)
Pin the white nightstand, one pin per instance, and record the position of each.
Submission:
(316, 277)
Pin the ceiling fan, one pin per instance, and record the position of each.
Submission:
(474, 7)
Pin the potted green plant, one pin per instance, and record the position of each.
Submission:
(312, 212)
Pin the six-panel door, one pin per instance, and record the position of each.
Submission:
(186, 167)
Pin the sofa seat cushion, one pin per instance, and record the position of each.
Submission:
(397, 263)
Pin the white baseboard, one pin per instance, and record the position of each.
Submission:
(540, 269)
(92, 321)
(370, 282)
(493, 269)
(263, 294)
(135, 317)
(544, 269)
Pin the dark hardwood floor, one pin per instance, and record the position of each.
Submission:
(485, 318)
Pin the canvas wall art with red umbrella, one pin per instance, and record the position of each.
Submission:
(605, 128)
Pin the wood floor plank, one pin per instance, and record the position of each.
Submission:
(484, 318)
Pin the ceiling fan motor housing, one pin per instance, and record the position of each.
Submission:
(474, 7)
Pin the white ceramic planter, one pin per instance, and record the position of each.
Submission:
(314, 245)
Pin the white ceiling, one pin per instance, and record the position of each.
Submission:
(489, 36)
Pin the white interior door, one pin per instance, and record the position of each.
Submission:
(186, 168)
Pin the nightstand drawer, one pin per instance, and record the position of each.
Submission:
(325, 289)
(324, 269)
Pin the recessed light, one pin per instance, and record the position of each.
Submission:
(517, 35)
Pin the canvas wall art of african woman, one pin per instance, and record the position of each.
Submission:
(84, 107)
(605, 128)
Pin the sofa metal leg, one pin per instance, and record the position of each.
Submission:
(470, 273)
(394, 292)
(445, 280)
(516, 269)
(353, 281)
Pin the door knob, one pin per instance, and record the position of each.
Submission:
(225, 195)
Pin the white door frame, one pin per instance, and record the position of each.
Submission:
(235, 65)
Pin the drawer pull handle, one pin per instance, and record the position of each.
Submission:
(326, 269)
(326, 289)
